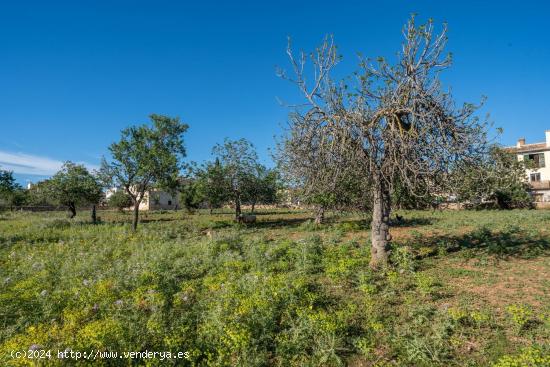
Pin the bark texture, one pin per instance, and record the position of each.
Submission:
(380, 226)
(320, 215)
(72, 211)
(94, 215)
(136, 216)
(237, 207)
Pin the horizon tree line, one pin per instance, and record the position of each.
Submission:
(150, 156)
(388, 135)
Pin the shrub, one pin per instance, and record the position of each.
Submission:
(310, 225)
(521, 316)
(119, 200)
(56, 224)
(534, 356)
(426, 340)
(425, 283)
(403, 259)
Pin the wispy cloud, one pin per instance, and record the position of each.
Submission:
(29, 164)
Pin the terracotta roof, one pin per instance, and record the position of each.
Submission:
(529, 148)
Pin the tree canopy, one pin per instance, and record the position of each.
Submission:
(261, 186)
(239, 160)
(11, 193)
(214, 184)
(146, 156)
(394, 119)
(208, 184)
(322, 179)
(73, 186)
(497, 180)
(119, 200)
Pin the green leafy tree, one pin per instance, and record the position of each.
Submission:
(214, 184)
(19, 196)
(261, 186)
(11, 193)
(40, 194)
(191, 194)
(119, 200)
(205, 185)
(73, 186)
(7, 183)
(146, 157)
(498, 180)
(239, 160)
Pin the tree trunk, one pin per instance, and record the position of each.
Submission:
(94, 216)
(237, 207)
(253, 205)
(136, 215)
(380, 226)
(320, 215)
(72, 211)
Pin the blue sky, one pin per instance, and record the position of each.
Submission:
(73, 74)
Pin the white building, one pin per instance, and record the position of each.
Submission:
(539, 177)
(158, 199)
(154, 200)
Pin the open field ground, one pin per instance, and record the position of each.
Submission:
(465, 289)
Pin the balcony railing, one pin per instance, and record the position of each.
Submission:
(540, 185)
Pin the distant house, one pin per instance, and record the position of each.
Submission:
(154, 200)
(539, 175)
(289, 197)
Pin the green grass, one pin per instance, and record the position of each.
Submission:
(465, 289)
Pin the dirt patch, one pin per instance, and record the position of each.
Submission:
(511, 281)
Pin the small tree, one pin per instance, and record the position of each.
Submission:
(119, 200)
(498, 180)
(40, 194)
(7, 183)
(396, 120)
(145, 157)
(213, 184)
(261, 186)
(191, 194)
(239, 160)
(11, 193)
(73, 186)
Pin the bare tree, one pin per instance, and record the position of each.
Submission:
(324, 180)
(395, 119)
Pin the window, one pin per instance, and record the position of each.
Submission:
(169, 202)
(534, 177)
(537, 159)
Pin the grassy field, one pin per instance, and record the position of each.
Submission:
(465, 289)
